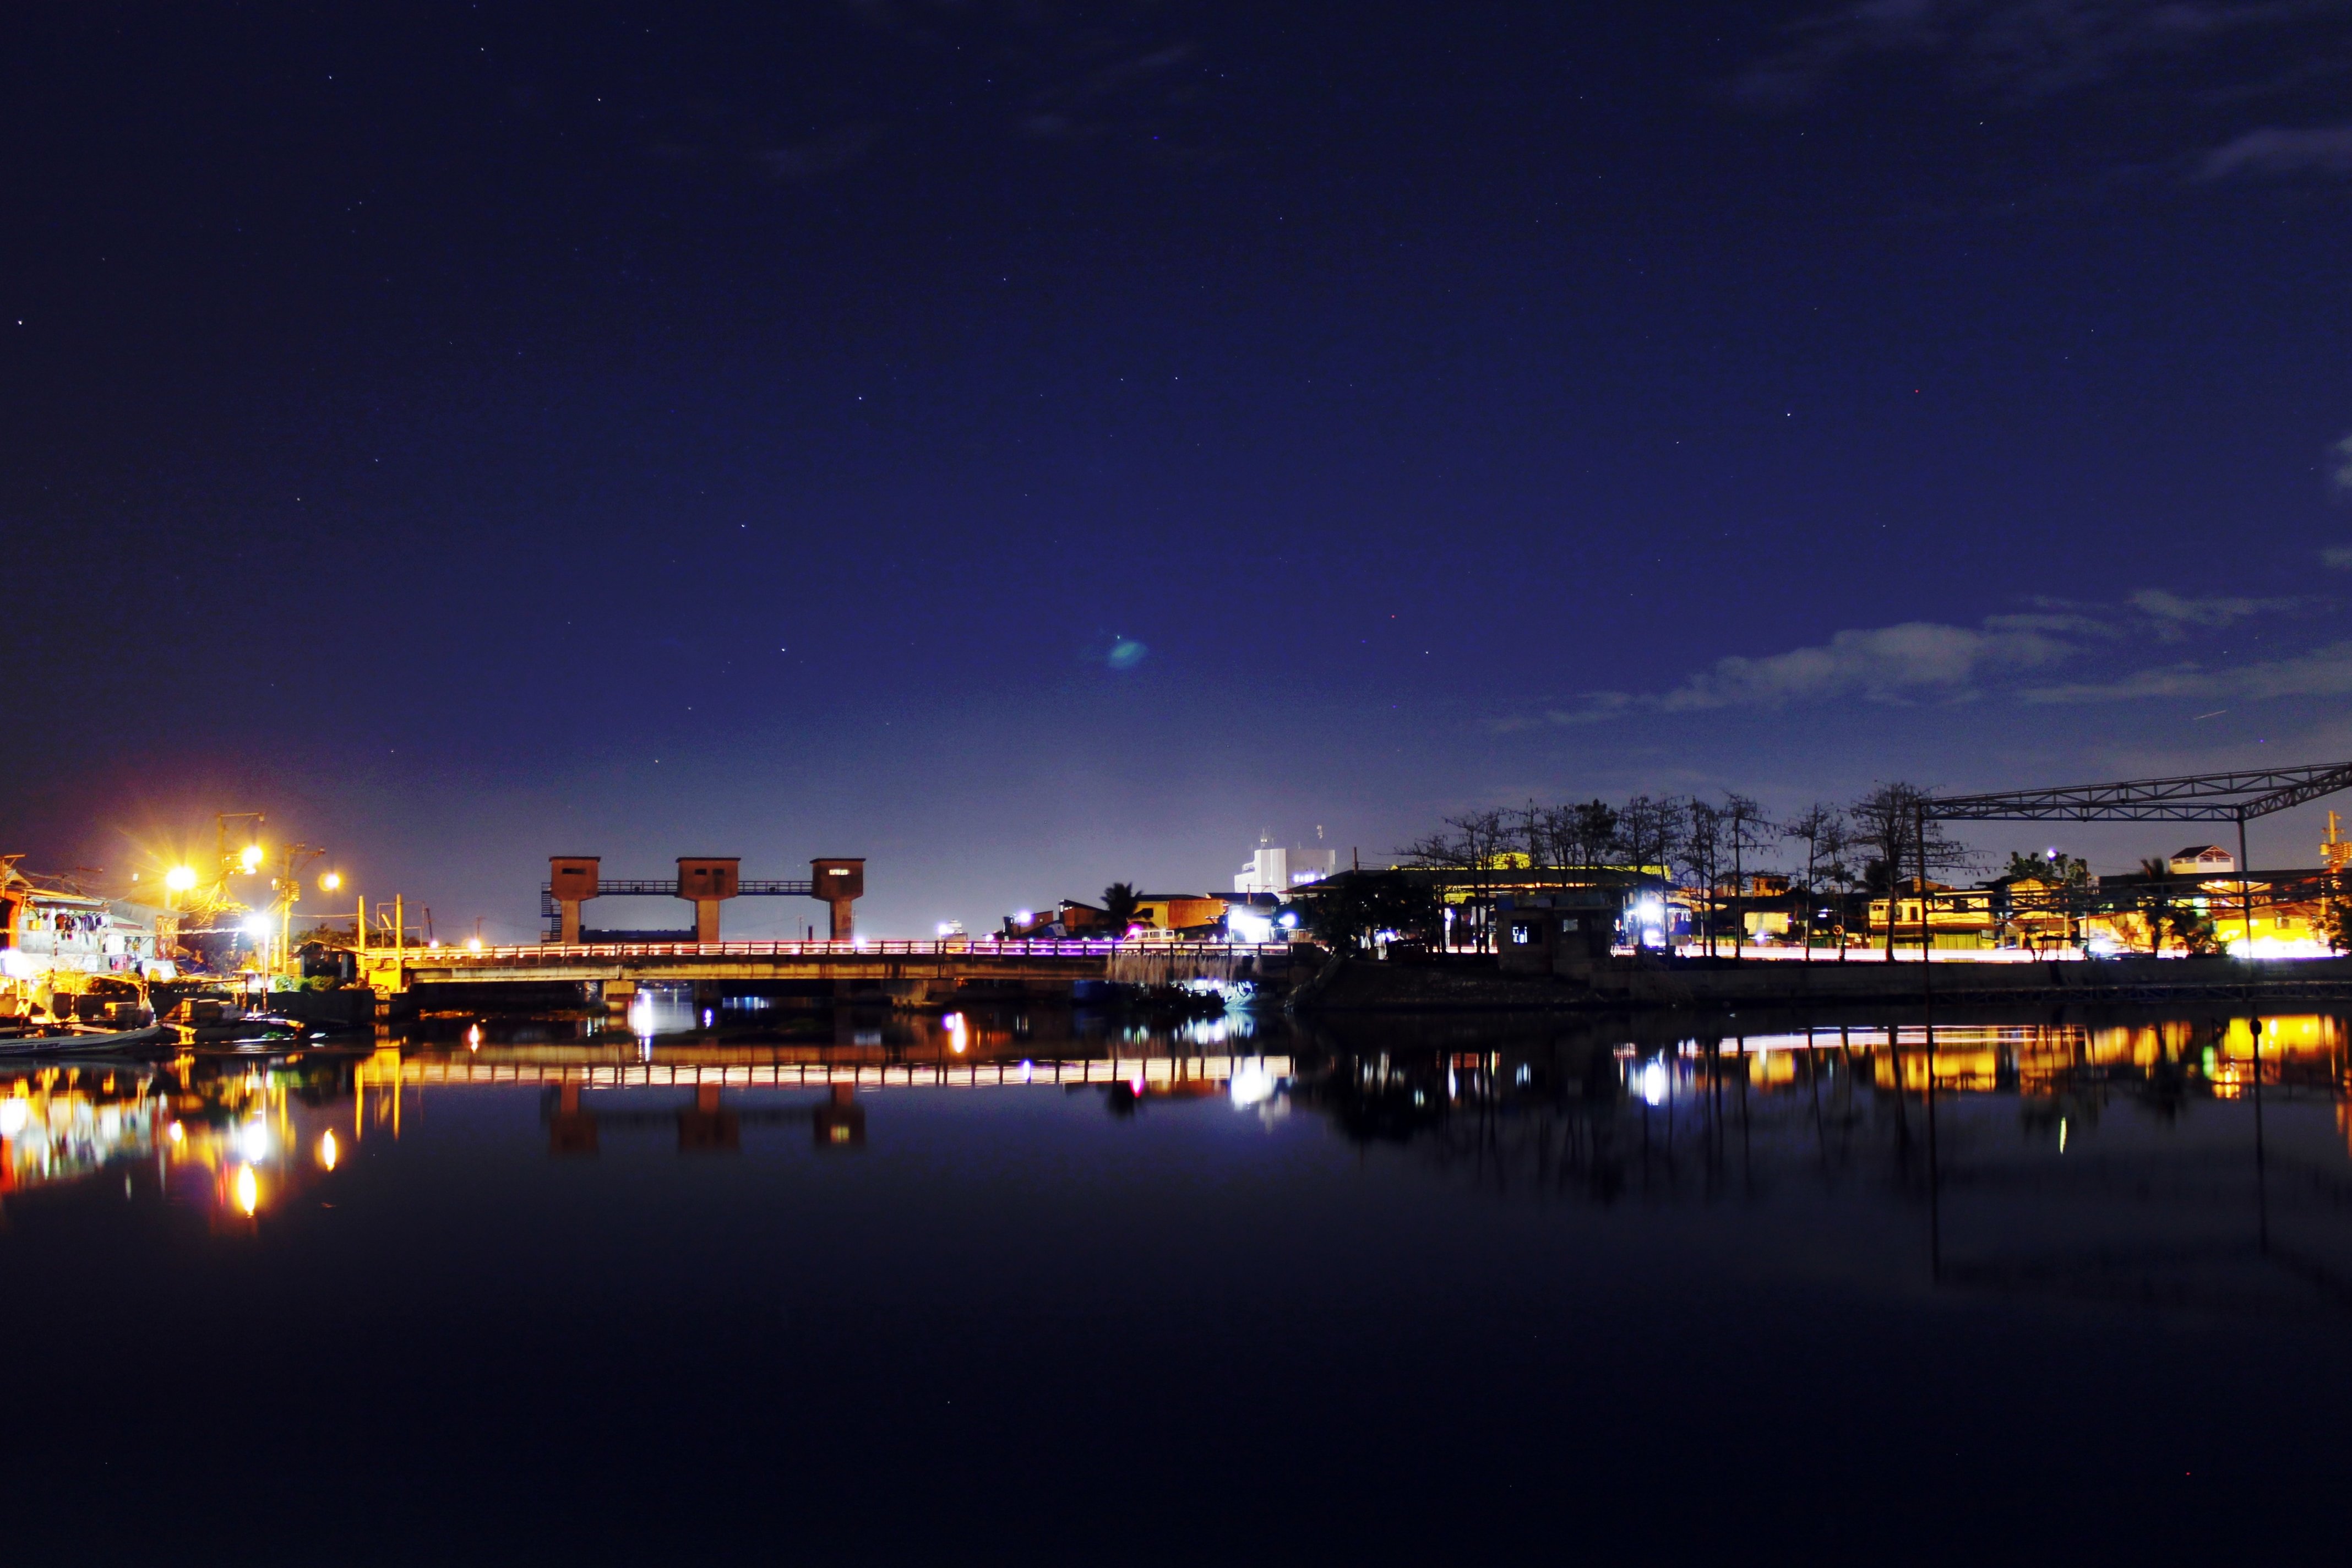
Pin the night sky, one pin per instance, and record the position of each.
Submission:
(1034, 444)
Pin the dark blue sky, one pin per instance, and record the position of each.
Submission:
(474, 432)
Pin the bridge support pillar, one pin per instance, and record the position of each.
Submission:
(618, 995)
(708, 880)
(838, 883)
(571, 881)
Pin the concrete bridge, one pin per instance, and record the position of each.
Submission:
(902, 974)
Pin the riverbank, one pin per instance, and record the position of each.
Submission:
(1478, 984)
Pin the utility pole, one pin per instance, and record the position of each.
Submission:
(289, 893)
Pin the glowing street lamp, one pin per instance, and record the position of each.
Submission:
(251, 858)
(180, 878)
(330, 881)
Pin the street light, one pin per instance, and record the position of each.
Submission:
(251, 858)
(180, 878)
(330, 881)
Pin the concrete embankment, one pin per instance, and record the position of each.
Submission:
(1466, 985)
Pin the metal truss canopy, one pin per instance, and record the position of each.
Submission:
(2194, 797)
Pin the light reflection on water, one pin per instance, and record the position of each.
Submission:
(1033, 1237)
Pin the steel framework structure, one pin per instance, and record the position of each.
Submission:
(2236, 797)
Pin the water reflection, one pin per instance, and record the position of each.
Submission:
(224, 1135)
(1659, 1108)
(805, 1245)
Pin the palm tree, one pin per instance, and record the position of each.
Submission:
(1119, 901)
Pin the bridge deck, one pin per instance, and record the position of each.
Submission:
(821, 1074)
(1158, 962)
(861, 947)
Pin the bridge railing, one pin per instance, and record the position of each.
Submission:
(949, 947)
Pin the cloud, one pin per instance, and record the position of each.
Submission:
(2343, 449)
(2173, 615)
(1915, 661)
(2339, 556)
(2323, 672)
(2273, 150)
(1928, 661)
(2027, 48)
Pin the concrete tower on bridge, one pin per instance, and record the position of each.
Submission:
(839, 881)
(704, 880)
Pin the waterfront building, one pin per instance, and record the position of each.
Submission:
(1272, 869)
(2204, 860)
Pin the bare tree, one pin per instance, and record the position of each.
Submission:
(1888, 823)
(1649, 832)
(1703, 857)
(1820, 827)
(1588, 833)
(1746, 829)
(1472, 843)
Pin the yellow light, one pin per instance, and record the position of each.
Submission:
(327, 1150)
(473, 1039)
(330, 881)
(249, 1190)
(180, 878)
(251, 858)
(178, 1132)
(473, 945)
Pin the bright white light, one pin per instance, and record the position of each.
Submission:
(253, 1141)
(1252, 1085)
(16, 966)
(944, 927)
(1023, 917)
(258, 925)
(473, 945)
(1651, 910)
(249, 1190)
(250, 860)
(1289, 919)
(1654, 1083)
(14, 1114)
(327, 1150)
(1246, 925)
(180, 878)
(177, 1132)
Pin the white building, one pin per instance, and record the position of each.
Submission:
(1274, 870)
(2204, 860)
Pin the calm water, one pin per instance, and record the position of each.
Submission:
(1038, 1288)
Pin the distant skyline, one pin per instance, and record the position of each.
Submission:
(1034, 445)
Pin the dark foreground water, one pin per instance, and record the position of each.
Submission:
(1038, 1289)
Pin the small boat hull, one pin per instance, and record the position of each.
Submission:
(84, 1043)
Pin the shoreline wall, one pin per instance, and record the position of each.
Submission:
(1449, 984)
